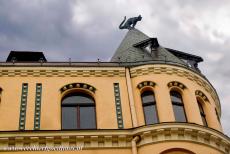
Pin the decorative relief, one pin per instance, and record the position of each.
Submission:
(176, 84)
(78, 85)
(37, 112)
(22, 118)
(202, 95)
(146, 83)
(118, 105)
(99, 139)
(62, 73)
(197, 78)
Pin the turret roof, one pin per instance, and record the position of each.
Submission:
(134, 48)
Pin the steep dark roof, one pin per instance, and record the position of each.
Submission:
(126, 52)
(184, 55)
(26, 56)
(133, 49)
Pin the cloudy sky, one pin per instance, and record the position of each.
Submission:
(85, 30)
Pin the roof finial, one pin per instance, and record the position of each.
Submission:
(98, 61)
(130, 23)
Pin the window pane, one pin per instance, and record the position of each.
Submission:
(202, 114)
(69, 117)
(150, 114)
(148, 97)
(204, 120)
(87, 117)
(217, 115)
(179, 113)
(201, 108)
(176, 97)
(77, 99)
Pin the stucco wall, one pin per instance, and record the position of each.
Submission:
(161, 147)
(104, 96)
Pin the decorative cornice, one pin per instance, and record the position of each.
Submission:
(145, 84)
(78, 85)
(91, 139)
(176, 84)
(199, 93)
(29, 72)
(179, 71)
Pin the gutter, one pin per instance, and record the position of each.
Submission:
(134, 144)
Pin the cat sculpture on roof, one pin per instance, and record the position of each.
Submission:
(130, 23)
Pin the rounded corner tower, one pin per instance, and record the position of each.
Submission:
(174, 107)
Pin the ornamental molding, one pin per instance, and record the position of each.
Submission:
(99, 139)
(179, 71)
(117, 98)
(37, 110)
(92, 72)
(23, 106)
(146, 84)
(78, 86)
(199, 93)
(176, 84)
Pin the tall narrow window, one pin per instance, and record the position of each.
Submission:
(178, 106)
(78, 111)
(149, 107)
(217, 115)
(0, 94)
(202, 114)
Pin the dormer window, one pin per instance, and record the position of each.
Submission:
(150, 45)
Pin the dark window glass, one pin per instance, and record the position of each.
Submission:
(69, 117)
(204, 121)
(86, 120)
(179, 113)
(149, 107)
(77, 99)
(178, 106)
(176, 98)
(150, 114)
(217, 115)
(148, 97)
(202, 114)
(78, 111)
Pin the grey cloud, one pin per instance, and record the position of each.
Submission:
(48, 26)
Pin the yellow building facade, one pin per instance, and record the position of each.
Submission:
(147, 99)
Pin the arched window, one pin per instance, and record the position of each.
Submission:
(78, 111)
(202, 114)
(149, 107)
(177, 151)
(178, 106)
